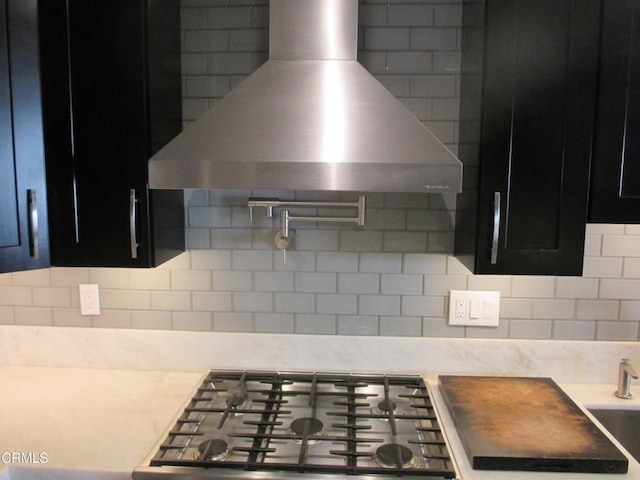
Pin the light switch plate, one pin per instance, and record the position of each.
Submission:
(474, 308)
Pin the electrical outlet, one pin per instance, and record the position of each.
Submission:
(473, 308)
(89, 299)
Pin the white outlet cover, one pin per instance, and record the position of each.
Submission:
(89, 299)
(474, 308)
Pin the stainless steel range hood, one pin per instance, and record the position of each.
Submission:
(310, 118)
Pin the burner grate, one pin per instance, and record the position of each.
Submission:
(310, 422)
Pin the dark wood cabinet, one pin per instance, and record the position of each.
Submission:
(24, 238)
(615, 182)
(528, 96)
(111, 98)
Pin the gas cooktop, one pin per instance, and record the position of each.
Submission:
(266, 424)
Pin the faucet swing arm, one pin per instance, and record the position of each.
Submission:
(270, 203)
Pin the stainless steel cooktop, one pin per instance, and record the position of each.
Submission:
(266, 424)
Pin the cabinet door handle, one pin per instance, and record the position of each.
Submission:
(496, 228)
(34, 241)
(132, 223)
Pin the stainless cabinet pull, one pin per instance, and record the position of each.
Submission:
(496, 228)
(34, 241)
(132, 223)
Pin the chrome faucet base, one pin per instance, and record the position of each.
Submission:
(625, 396)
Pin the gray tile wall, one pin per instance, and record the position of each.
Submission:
(391, 278)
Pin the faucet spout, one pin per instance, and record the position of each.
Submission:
(625, 373)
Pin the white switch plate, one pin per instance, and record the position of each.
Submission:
(474, 308)
(89, 299)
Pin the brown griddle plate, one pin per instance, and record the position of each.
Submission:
(526, 423)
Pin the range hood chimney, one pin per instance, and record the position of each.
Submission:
(310, 118)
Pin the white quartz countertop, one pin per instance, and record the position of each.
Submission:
(101, 423)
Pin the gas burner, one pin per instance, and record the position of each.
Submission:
(384, 407)
(237, 403)
(213, 450)
(390, 455)
(314, 428)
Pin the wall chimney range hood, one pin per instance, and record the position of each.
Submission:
(310, 118)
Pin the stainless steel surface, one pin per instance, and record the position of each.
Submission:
(34, 240)
(133, 234)
(625, 373)
(496, 228)
(311, 118)
(264, 442)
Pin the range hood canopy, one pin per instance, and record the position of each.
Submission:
(310, 118)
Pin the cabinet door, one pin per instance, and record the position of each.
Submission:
(538, 91)
(615, 189)
(100, 128)
(23, 210)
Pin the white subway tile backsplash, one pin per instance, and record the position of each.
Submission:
(194, 321)
(602, 267)
(314, 324)
(630, 310)
(125, 300)
(439, 327)
(68, 277)
(632, 267)
(598, 309)
(273, 281)
(442, 284)
(10, 295)
(621, 245)
(516, 307)
(381, 263)
(170, 300)
(274, 323)
(574, 330)
(112, 319)
(315, 282)
(295, 302)
(32, 278)
(337, 262)
(336, 303)
(357, 325)
(7, 315)
(533, 287)
(424, 263)
(396, 326)
(530, 329)
(401, 284)
(212, 301)
(420, 306)
(391, 277)
(358, 283)
(41, 316)
(617, 331)
(252, 302)
(252, 260)
(156, 279)
(70, 317)
(553, 309)
(210, 260)
(626, 289)
(575, 287)
(51, 297)
(232, 322)
(151, 320)
(379, 305)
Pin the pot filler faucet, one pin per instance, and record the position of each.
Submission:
(625, 373)
(285, 238)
